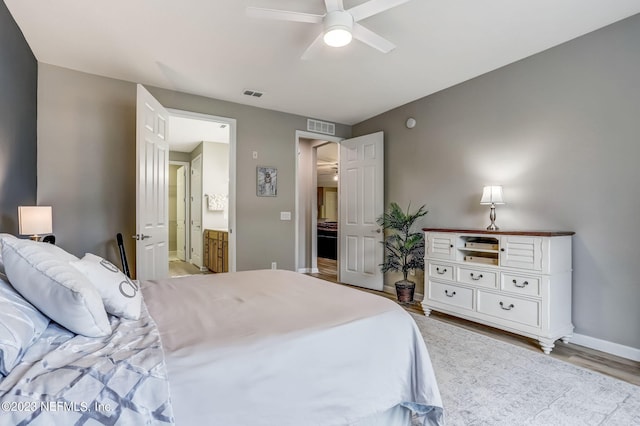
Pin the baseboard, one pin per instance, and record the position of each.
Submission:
(605, 346)
(308, 271)
(389, 289)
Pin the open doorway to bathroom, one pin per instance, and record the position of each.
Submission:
(200, 189)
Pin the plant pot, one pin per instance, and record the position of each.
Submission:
(404, 291)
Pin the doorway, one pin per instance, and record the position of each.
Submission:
(202, 166)
(360, 203)
(316, 195)
(327, 224)
(178, 210)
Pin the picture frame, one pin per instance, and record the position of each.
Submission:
(266, 181)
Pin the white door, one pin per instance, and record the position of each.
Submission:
(152, 199)
(181, 211)
(361, 203)
(196, 211)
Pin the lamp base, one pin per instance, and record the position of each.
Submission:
(492, 217)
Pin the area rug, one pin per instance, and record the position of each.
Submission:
(484, 381)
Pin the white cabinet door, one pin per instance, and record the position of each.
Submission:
(521, 252)
(441, 246)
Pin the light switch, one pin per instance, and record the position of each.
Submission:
(255, 155)
(285, 215)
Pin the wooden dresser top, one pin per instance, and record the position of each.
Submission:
(501, 232)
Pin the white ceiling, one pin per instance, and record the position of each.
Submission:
(212, 48)
(186, 133)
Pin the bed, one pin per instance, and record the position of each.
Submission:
(252, 348)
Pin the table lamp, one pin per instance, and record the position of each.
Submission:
(34, 220)
(492, 195)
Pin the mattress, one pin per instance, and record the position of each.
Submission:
(275, 347)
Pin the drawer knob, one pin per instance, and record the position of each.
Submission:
(508, 308)
(441, 271)
(476, 277)
(523, 285)
(502, 249)
(446, 292)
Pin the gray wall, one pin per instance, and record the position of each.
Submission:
(18, 114)
(87, 159)
(86, 164)
(261, 237)
(559, 131)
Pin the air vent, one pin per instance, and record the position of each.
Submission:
(253, 93)
(321, 127)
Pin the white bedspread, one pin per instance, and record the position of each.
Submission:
(266, 348)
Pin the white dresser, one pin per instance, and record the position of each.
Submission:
(517, 281)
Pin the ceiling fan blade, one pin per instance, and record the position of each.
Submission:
(283, 15)
(333, 5)
(313, 47)
(373, 7)
(372, 39)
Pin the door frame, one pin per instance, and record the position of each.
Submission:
(187, 207)
(313, 268)
(231, 122)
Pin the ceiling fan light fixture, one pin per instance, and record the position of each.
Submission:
(338, 25)
(337, 37)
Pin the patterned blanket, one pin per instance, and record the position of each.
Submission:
(67, 379)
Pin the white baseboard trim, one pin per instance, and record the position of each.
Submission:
(308, 270)
(605, 346)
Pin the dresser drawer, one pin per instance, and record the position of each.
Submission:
(478, 277)
(510, 308)
(441, 271)
(450, 294)
(520, 284)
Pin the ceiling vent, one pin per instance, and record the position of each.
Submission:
(253, 93)
(318, 126)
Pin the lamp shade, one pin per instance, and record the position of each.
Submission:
(34, 220)
(492, 195)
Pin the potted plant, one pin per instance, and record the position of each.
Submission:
(404, 248)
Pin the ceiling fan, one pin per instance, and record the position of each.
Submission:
(340, 25)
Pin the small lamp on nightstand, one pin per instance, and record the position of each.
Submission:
(492, 195)
(34, 220)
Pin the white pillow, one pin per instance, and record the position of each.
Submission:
(121, 295)
(2, 237)
(41, 273)
(20, 326)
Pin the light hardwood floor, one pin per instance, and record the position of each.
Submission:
(178, 268)
(611, 365)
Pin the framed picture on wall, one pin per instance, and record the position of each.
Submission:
(267, 182)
